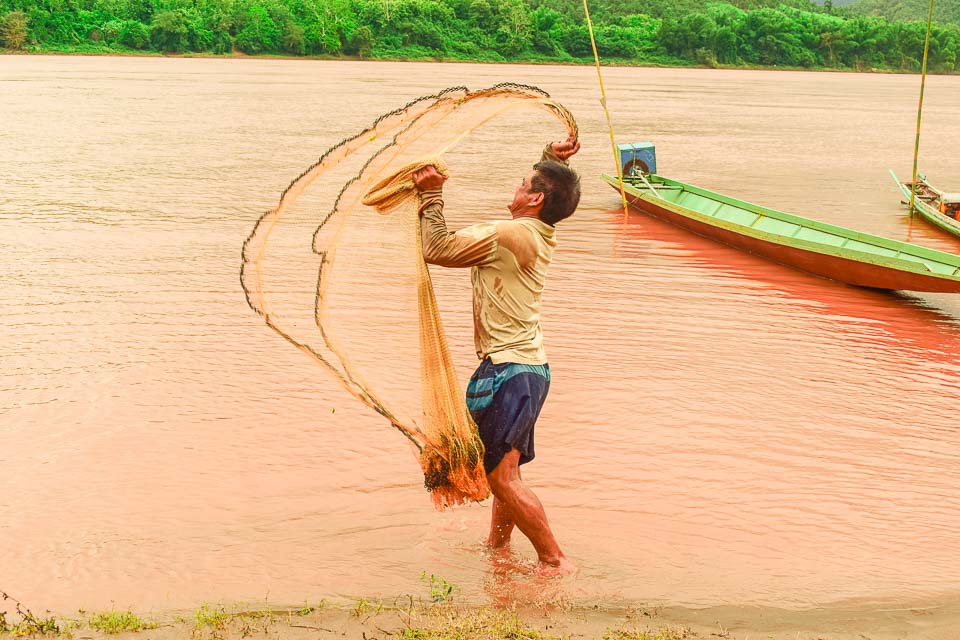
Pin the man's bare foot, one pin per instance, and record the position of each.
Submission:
(562, 568)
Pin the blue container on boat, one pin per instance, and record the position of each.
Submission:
(636, 157)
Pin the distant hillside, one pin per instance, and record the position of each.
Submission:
(944, 11)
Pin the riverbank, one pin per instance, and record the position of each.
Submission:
(412, 618)
(574, 62)
(412, 55)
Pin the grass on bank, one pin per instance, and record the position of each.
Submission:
(107, 622)
(448, 623)
(414, 619)
(114, 621)
(28, 624)
(208, 621)
(422, 622)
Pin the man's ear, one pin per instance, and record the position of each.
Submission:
(536, 200)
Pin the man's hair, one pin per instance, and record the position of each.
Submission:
(560, 186)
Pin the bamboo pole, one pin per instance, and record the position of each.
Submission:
(923, 80)
(603, 101)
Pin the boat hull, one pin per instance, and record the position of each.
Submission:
(926, 211)
(858, 271)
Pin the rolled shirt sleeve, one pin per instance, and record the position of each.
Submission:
(468, 247)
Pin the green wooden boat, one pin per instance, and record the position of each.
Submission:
(823, 249)
(934, 205)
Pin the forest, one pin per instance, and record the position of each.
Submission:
(741, 33)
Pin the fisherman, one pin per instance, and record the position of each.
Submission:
(509, 261)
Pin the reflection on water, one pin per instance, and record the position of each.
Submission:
(720, 429)
(900, 319)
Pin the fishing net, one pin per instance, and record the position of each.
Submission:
(337, 270)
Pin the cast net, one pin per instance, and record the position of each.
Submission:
(337, 270)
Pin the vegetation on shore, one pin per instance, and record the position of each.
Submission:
(751, 33)
(408, 619)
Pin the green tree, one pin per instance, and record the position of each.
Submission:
(944, 48)
(135, 35)
(421, 32)
(695, 31)
(645, 31)
(543, 23)
(908, 38)
(139, 10)
(260, 33)
(211, 25)
(90, 23)
(49, 26)
(513, 35)
(13, 30)
(616, 41)
(169, 32)
(319, 37)
(362, 41)
(863, 37)
(481, 13)
(771, 37)
(111, 31)
(294, 38)
(575, 39)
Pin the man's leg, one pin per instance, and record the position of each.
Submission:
(524, 508)
(501, 525)
(501, 522)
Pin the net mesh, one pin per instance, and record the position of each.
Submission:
(337, 270)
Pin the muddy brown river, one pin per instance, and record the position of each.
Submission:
(720, 430)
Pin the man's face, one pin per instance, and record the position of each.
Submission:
(524, 196)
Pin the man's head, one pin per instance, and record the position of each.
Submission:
(550, 192)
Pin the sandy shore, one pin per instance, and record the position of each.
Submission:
(416, 619)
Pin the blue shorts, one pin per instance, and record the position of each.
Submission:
(505, 402)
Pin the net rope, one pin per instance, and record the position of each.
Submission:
(336, 269)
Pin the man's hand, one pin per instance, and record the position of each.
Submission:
(428, 178)
(565, 149)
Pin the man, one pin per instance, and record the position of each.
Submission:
(509, 261)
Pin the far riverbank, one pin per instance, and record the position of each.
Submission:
(641, 64)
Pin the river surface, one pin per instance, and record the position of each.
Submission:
(720, 430)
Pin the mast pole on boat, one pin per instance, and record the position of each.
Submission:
(603, 101)
(923, 80)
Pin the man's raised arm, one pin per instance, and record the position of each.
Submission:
(462, 249)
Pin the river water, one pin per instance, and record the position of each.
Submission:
(720, 430)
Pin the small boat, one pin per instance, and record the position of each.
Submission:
(823, 249)
(935, 206)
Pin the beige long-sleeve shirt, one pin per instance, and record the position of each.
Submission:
(509, 261)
